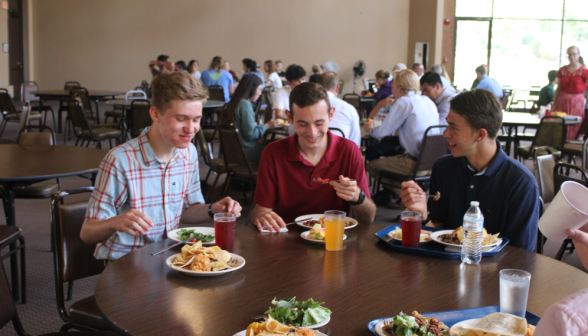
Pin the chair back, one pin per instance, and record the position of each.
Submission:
(335, 129)
(341, 83)
(550, 133)
(216, 92)
(135, 94)
(25, 91)
(543, 170)
(6, 103)
(73, 259)
(433, 147)
(232, 147)
(144, 86)
(559, 175)
(70, 85)
(7, 307)
(204, 150)
(78, 117)
(26, 136)
(24, 115)
(506, 98)
(139, 118)
(81, 94)
(354, 100)
(583, 130)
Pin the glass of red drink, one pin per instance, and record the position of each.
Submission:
(411, 228)
(224, 230)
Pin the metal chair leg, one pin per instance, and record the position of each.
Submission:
(226, 188)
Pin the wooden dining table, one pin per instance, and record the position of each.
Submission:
(139, 295)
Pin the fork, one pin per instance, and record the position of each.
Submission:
(387, 321)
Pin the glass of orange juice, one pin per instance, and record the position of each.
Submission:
(334, 227)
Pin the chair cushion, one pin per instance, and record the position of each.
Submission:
(37, 190)
(35, 116)
(525, 151)
(11, 117)
(101, 133)
(208, 135)
(114, 113)
(7, 233)
(243, 172)
(84, 312)
(573, 148)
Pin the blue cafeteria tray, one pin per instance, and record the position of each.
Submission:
(432, 249)
(452, 317)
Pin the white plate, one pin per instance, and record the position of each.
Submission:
(380, 332)
(304, 236)
(420, 241)
(173, 235)
(237, 258)
(436, 234)
(456, 328)
(318, 216)
(242, 333)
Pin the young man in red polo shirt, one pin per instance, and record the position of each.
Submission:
(284, 184)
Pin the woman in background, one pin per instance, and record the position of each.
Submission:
(273, 79)
(214, 75)
(193, 69)
(383, 85)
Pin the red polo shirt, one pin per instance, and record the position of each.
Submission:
(284, 181)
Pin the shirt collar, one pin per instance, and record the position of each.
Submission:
(410, 93)
(495, 164)
(149, 155)
(330, 94)
(294, 153)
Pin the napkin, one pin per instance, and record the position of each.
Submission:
(281, 230)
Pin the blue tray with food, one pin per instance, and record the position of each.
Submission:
(439, 242)
(455, 322)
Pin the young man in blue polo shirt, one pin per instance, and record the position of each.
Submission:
(479, 170)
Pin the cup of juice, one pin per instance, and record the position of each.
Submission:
(411, 228)
(224, 230)
(334, 228)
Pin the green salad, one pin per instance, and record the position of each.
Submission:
(185, 234)
(299, 314)
(406, 325)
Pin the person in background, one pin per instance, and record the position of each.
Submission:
(346, 117)
(487, 83)
(239, 112)
(280, 70)
(431, 86)
(227, 67)
(383, 84)
(161, 65)
(479, 170)
(294, 76)
(548, 91)
(445, 81)
(316, 72)
(569, 96)
(273, 79)
(193, 69)
(250, 66)
(419, 69)
(476, 81)
(214, 75)
(399, 66)
(180, 66)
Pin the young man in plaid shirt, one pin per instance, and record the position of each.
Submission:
(148, 184)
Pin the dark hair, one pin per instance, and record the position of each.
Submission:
(245, 90)
(551, 75)
(415, 65)
(250, 64)
(182, 65)
(431, 78)
(481, 109)
(308, 94)
(294, 72)
(481, 70)
(192, 62)
(162, 58)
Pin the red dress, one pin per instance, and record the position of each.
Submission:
(571, 95)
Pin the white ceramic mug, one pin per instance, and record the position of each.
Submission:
(568, 210)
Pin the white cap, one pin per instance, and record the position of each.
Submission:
(475, 203)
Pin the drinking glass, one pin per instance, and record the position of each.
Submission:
(334, 227)
(377, 121)
(411, 223)
(224, 230)
(514, 291)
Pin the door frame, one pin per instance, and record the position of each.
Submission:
(489, 46)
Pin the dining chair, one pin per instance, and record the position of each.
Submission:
(216, 92)
(11, 114)
(84, 132)
(543, 165)
(550, 133)
(25, 95)
(341, 84)
(354, 100)
(335, 129)
(63, 101)
(81, 95)
(211, 134)
(433, 147)
(577, 148)
(139, 117)
(74, 260)
(236, 159)
(216, 165)
(10, 235)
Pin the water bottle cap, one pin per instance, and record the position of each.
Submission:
(475, 203)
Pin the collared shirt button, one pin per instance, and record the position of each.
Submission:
(472, 186)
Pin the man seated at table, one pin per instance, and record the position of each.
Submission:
(547, 92)
(345, 118)
(478, 170)
(162, 64)
(147, 185)
(294, 76)
(487, 83)
(419, 69)
(285, 189)
(432, 87)
(446, 83)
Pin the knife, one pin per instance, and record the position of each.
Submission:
(299, 221)
(174, 245)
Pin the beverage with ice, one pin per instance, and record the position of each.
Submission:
(514, 291)
(411, 223)
(473, 226)
(224, 230)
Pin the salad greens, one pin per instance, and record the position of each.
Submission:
(299, 314)
(185, 234)
(404, 325)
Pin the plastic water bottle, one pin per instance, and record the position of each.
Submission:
(473, 226)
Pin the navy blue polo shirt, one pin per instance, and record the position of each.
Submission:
(507, 192)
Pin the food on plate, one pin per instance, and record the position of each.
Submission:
(559, 114)
(456, 237)
(203, 259)
(397, 234)
(365, 121)
(185, 234)
(415, 324)
(321, 221)
(496, 324)
(283, 122)
(272, 327)
(299, 314)
(316, 232)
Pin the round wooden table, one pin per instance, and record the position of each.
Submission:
(139, 295)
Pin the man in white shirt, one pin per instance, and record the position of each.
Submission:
(345, 118)
(432, 87)
(294, 76)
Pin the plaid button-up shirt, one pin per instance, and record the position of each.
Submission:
(132, 177)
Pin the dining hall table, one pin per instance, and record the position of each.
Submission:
(140, 295)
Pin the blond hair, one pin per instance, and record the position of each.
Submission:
(407, 80)
(176, 86)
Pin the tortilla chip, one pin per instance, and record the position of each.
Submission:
(498, 323)
(274, 326)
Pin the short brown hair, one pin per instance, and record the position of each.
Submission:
(481, 69)
(308, 94)
(382, 74)
(271, 67)
(481, 109)
(329, 80)
(176, 86)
